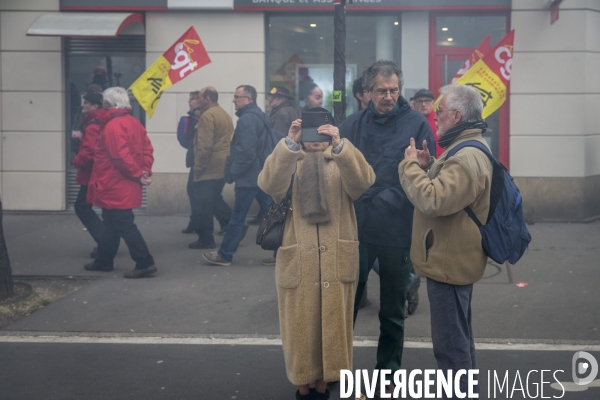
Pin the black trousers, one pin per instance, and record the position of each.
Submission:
(87, 215)
(210, 202)
(119, 224)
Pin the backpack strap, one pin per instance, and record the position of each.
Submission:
(497, 167)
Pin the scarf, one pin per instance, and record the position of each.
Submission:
(312, 190)
(447, 138)
(387, 114)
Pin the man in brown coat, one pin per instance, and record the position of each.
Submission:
(446, 243)
(282, 112)
(211, 148)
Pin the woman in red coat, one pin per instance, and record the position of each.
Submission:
(122, 164)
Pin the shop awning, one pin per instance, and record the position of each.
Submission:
(87, 24)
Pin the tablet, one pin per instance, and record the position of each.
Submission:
(311, 121)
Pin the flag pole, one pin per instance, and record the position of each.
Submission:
(339, 61)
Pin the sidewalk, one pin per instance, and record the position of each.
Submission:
(188, 297)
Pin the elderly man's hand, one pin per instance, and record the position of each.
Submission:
(421, 155)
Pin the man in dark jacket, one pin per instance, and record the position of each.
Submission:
(84, 160)
(384, 215)
(243, 167)
(282, 112)
(186, 132)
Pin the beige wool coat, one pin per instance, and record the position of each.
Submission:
(317, 265)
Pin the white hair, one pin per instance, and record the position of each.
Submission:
(465, 99)
(117, 97)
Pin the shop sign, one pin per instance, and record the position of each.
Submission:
(283, 5)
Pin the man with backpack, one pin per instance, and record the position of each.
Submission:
(243, 165)
(211, 148)
(446, 243)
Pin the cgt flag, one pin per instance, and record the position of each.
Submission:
(186, 55)
(490, 75)
(477, 55)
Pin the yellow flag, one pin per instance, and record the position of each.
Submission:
(186, 55)
(490, 76)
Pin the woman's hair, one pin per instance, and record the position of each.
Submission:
(306, 88)
(384, 68)
(117, 97)
(465, 99)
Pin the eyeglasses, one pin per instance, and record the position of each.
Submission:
(384, 93)
(438, 111)
(423, 101)
(235, 96)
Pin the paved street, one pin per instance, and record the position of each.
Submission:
(185, 334)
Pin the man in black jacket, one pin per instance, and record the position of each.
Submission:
(382, 132)
(243, 167)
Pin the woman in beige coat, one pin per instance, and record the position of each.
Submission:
(317, 265)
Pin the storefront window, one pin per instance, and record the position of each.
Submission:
(102, 63)
(468, 31)
(300, 51)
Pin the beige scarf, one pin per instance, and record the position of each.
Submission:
(312, 189)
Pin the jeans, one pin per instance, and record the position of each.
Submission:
(244, 196)
(119, 224)
(451, 330)
(87, 215)
(394, 269)
(207, 194)
(411, 281)
(193, 201)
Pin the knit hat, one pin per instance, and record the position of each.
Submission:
(94, 98)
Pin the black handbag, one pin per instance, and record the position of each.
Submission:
(270, 230)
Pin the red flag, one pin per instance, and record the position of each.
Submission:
(477, 55)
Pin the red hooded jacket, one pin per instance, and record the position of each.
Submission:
(438, 149)
(84, 160)
(123, 151)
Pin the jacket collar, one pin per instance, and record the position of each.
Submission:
(403, 108)
(467, 134)
(92, 115)
(113, 113)
(327, 153)
(246, 108)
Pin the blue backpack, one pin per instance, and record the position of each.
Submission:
(504, 237)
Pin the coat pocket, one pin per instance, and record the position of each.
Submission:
(427, 243)
(288, 270)
(347, 261)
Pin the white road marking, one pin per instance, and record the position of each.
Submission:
(500, 345)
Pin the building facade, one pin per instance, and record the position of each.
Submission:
(547, 133)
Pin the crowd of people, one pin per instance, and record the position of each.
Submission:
(374, 194)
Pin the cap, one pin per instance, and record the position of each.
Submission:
(423, 93)
(94, 98)
(281, 91)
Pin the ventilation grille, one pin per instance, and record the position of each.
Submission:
(124, 44)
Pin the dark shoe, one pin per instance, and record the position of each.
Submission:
(270, 262)
(140, 273)
(256, 220)
(94, 253)
(308, 396)
(215, 259)
(413, 295)
(188, 230)
(319, 396)
(201, 245)
(97, 267)
(244, 231)
(222, 230)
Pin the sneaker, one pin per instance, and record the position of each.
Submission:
(215, 259)
(270, 262)
(256, 220)
(222, 230)
(319, 396)
(140, 273)
(413, 295)
(97, 267)
(188, 230)
(94, 253)
(308, 396)
(201, 245)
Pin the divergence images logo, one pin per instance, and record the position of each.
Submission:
(581, 367)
